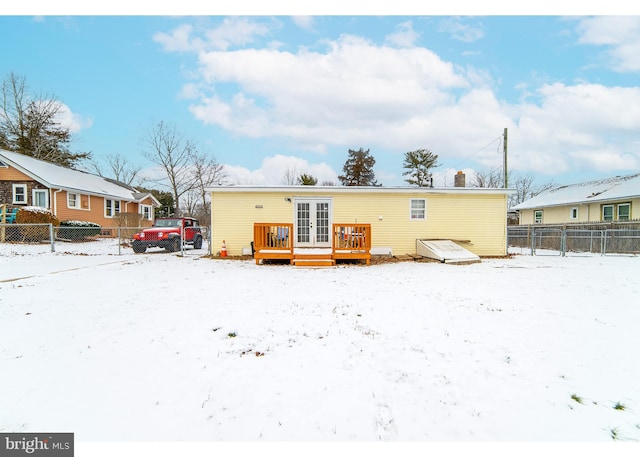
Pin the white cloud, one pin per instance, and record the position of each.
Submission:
(621, 35)
(337, 97)
(304, 22)
(73, 121)
(233, 31)
(461, 31)
(272, 171)
(405, 37)
(578, 127)
(354, 93)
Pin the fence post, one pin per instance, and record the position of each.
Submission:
(563, 241)
(119, 241)
(603, 251)
(533, 241)
(53, 244)
(182, 233)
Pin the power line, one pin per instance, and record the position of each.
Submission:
(498, 139)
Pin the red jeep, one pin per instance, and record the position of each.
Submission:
(166, 233)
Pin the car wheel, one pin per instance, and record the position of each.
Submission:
(175, 245)
(197, 242)
(139, 248)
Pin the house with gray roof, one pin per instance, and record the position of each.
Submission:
(610, 199)
(69, 194)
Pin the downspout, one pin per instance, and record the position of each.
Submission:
(55, 202)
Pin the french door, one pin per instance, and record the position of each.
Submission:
(312, 222)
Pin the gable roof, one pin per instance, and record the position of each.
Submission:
(603, 190)
(59, 177)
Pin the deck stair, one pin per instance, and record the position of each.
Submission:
(313, 258)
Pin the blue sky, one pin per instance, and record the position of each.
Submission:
(267, 94)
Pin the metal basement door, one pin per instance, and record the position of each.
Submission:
(312, 223)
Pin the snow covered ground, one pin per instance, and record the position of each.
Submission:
(159, 347)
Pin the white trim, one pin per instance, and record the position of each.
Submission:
(313, 242)
(141, 207)
(618, 211)
(24, 193)
(412, 209)
(613, 212)
(46, 197)
(115, 210)
(294, 191)
(78, 200)
(535, 221)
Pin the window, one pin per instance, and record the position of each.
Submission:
(111, 208)
(607, 212)
(537, 217)
(146, 212)
(41, 198)
(574, 213)
(73, 200)
(624, 211)
(418, 209)
(19, 194)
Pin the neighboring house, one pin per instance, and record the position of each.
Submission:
(356, 221)
(611, 199)
(69, 194)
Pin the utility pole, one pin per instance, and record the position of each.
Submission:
(506, 180)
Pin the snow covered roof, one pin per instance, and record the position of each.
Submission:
(603, 190)
(59, 177)
(300, 189)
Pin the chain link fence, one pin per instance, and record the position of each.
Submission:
(567, 240)
(21, 239)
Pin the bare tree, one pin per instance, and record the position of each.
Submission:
(524, 185)
(290, 176)
(119, 169)
(492, 178)
(206, 172)
(29, 125)
(167, 148)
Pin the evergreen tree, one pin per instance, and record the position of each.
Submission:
(306, 180)
(418, 165)
(358, 169)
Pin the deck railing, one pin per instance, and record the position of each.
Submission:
(274, 241)
(351, 237)
(272, 236)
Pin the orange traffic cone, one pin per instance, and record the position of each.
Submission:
(223, 251)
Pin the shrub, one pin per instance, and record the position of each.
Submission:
(35, 215)
(78, 230)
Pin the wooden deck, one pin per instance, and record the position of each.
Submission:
(274, 241)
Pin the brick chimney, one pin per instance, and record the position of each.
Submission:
(459, 180)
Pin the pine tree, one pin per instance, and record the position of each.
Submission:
(358, 169)
(418, 165)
